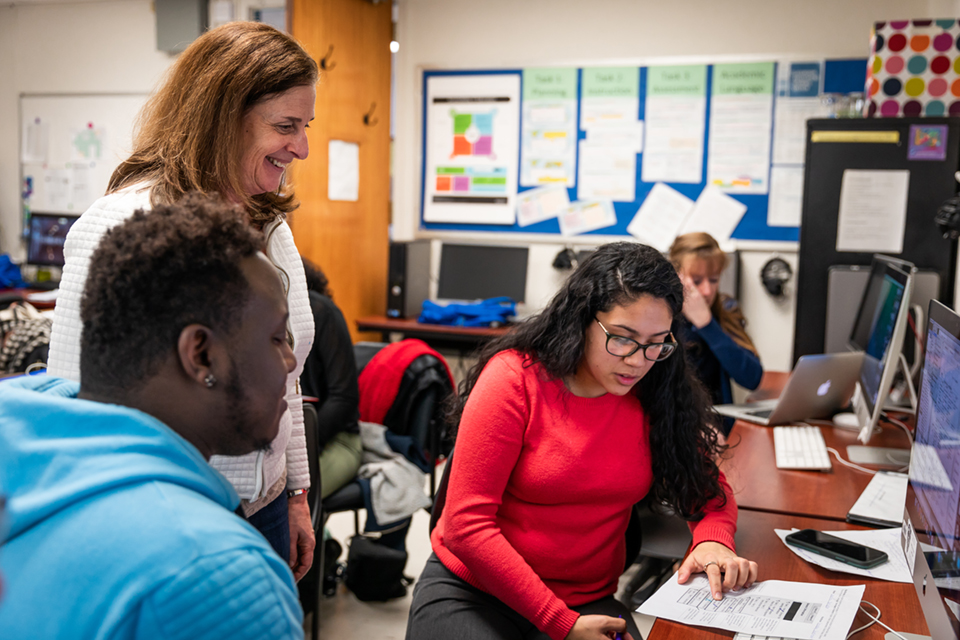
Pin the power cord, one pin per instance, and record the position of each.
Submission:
(850, 464)
(874, 619)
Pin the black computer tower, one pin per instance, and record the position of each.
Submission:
(408, 278)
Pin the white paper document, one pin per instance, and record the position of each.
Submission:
(628, 135)
(790, 127)
(548, 142)
(882, 501)
(772, 608)
(716, 213)
(606, 172)
(673, 148)
(786, 197)
(887, 540)
(873, 210)
(660, 217)
(542, 203)
(739, 147)
(584, 216)
(343, 173)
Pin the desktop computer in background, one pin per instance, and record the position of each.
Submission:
(879, 332)
(47, 234)
(478, 272)
(930, 535)
(408, 278)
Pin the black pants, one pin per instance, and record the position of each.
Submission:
(445, 606)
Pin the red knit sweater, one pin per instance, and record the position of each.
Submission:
(540, 492)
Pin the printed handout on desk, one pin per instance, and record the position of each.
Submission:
(548, 146)
(895, 569)
(772, 608)
(542, 203)
(660, 217)
(584, 215)
(873, 210)
(882, 501)
(716, 213)
(675, 115)
(472, 149)
(741, 117)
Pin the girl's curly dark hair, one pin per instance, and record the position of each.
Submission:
(683, 435)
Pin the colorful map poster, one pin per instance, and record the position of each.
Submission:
(472, 134)
(548, 146)
(676, 108)
(741, 119)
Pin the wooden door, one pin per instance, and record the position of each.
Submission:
(348, 240)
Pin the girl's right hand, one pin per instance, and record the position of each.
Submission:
(597, 627)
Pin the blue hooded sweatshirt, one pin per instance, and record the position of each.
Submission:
(118, 528)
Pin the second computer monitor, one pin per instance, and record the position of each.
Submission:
(884, 311)
(48, 232)
(933, 495)
(477, 272)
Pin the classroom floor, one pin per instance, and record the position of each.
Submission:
(343, 616)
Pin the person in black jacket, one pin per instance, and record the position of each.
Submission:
(330, 375)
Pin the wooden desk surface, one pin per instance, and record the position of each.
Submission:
(438, 335)
(751, 470)
(757, 541)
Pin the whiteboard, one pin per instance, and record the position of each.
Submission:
(70, 146)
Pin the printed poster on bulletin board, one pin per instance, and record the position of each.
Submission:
(472, 148)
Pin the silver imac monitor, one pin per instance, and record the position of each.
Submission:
(884, 310)
(931, 529)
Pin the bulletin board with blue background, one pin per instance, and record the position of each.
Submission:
(650, 151)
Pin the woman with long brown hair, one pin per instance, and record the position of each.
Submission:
(228, 119)
(714, 331)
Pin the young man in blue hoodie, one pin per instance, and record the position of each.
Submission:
(117, 526)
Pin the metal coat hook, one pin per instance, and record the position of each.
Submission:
(325, 63)
(368, 118)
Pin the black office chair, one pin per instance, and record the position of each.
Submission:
(310, 585)
(662, 541)
(416, 412)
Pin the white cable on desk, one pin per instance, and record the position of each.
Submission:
(850, 464)
(873, 619)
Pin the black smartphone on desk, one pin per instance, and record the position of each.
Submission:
(851, 553)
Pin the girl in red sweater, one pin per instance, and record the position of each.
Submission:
(564, 424)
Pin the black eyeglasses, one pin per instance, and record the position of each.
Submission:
(624, 347)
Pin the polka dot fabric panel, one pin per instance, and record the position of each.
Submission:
(914, 69)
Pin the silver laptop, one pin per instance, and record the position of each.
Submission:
(819, 386)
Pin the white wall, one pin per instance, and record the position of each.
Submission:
(463, 34)
(80, 47)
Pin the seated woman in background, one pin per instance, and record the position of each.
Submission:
(330, 375)
(565, 423)
(713, 331)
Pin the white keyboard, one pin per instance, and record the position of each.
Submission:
(800, 448)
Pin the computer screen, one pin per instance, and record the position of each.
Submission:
(933, 497)
(478, 272)
(48, 232)
(884, 305)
